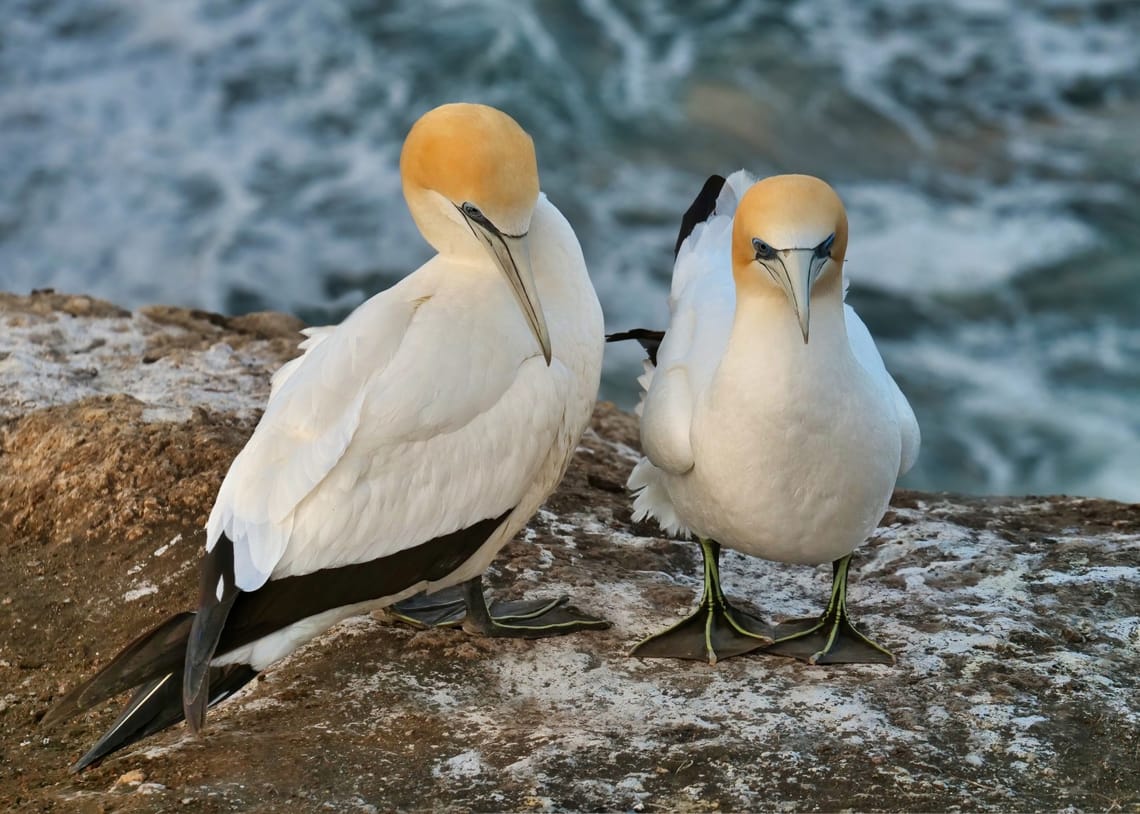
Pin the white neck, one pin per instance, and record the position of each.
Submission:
(572, 310)
(766, 357)
(768, 325)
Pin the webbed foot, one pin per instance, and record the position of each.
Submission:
(830, 638)
(715, 630)
(444, 608)
(466, 606)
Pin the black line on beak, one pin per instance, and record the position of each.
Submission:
(472, 214)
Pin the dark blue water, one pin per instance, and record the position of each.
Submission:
(238, 155)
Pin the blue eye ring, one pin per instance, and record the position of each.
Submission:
(475, 215)
(763, 250)
(824, 248)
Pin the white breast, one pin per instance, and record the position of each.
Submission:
(796, 447)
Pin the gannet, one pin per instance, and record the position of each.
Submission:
(769, 422)
(403, 449)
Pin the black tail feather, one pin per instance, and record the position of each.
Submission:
(148, 657)
(217, 595)
(157, 705)
(650, 340)
(700, 209)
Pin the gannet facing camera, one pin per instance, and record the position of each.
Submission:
(769, 423)
(403, 449)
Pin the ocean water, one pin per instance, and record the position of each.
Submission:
(241, 154)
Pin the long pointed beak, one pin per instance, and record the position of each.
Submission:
(800, 269)
(513, 256)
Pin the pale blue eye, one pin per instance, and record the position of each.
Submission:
(824, 248)
(475, 215)
(763, 250)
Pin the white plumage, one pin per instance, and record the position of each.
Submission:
(394, 428)
(417, 415)
(755, 437)
(685, 386)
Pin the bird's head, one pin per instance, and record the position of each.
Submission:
(471, 180)
(789, 237)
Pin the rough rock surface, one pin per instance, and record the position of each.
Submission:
(1016, 623)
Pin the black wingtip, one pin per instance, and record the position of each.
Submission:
(151, 655)
(158, 705)
(648, 339)
(698, 212)
(700, 209)
(154, 706)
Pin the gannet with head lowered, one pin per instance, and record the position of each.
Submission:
(403, 449)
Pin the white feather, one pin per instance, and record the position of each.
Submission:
(315, 335)
(702, 303)
(863, 346)
(417, 416)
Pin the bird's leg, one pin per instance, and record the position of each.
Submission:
(466, 606)
(830, 638)
(715, 630)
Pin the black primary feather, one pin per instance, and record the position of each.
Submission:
(216, 595)
(150, 656)
(650, 340)
(157, 705)
(699, 210)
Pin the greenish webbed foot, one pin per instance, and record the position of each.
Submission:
(466, 606)
(715, 630)
(830, 638)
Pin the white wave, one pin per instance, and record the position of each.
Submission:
(906, 242)
(932, 65)
(1002, 414)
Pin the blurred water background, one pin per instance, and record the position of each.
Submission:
(238, 155)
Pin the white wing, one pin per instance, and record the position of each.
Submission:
(367, 445)
(863, 346)
(707, 251)
(702, 301)
(315, 336)
(310, 419)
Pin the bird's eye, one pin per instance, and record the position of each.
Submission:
(763, 250)
(824, 248)
(475, 215)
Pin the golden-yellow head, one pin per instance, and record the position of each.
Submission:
(471, 182)
(474, 154)
(789, 234)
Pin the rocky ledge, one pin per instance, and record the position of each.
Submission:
(1016, 622)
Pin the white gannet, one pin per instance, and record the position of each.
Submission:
(403, 449)
(755, 437)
